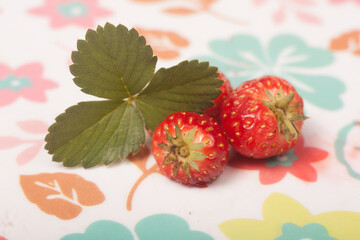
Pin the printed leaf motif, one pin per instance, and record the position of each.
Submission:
(348, 41)
(180, 11)
(280, 210)
(113, 62)
(184, 87)
(33, 126)
(29, 153)
(104, 134)
(60, 194)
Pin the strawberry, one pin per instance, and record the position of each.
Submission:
(263, 117)
(190, 148)
(226, 89)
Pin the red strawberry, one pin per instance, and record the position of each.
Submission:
(263, 117)
(190, 148)
(226, 89)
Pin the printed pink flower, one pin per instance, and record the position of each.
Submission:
(25, 81)
(344, 1)
(33, 146)
(71, 12)
(299, 8)
(297, 162)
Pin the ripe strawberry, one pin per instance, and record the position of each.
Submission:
(226, 89)
(263, 117)
(190, 148)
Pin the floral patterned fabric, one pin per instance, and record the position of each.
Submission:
(311, 192)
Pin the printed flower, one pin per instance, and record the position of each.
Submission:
(25, 81)
(285, 218)
(312, 231)
(243, 58)
(191, 7)
(164, 43)
(71, 12)
(159, 227)
(347, 42)
(33, 146)
(297, 162)
(347, 148)
(344, 1)
(299, 8)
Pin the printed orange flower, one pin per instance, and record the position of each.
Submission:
(347, 42)
(190, 7)
(297, 162)
(166, 44)
(60, 194)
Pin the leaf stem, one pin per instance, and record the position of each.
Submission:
(145, 174)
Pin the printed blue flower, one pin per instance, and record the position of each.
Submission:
(15, 83)
(243, 58)
(103, 229)
(73, 9)
(286, 160)
(159, 227)
(311, 231)
(165, 227)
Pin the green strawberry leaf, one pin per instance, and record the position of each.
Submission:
(115, 63)
(197, 155)
(194, 165)
(94, 132)
(189, 136)
(112, 62)
(196, 146)
(188, 86)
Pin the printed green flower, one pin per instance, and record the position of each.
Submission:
(243, 58)
(285, 218)
(347, 148)
(313, 231)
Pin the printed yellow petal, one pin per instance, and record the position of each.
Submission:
(247, 229)
(279, 208)
(340, 224)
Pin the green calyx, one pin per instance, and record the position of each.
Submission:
(285, 113)
(181, 151)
